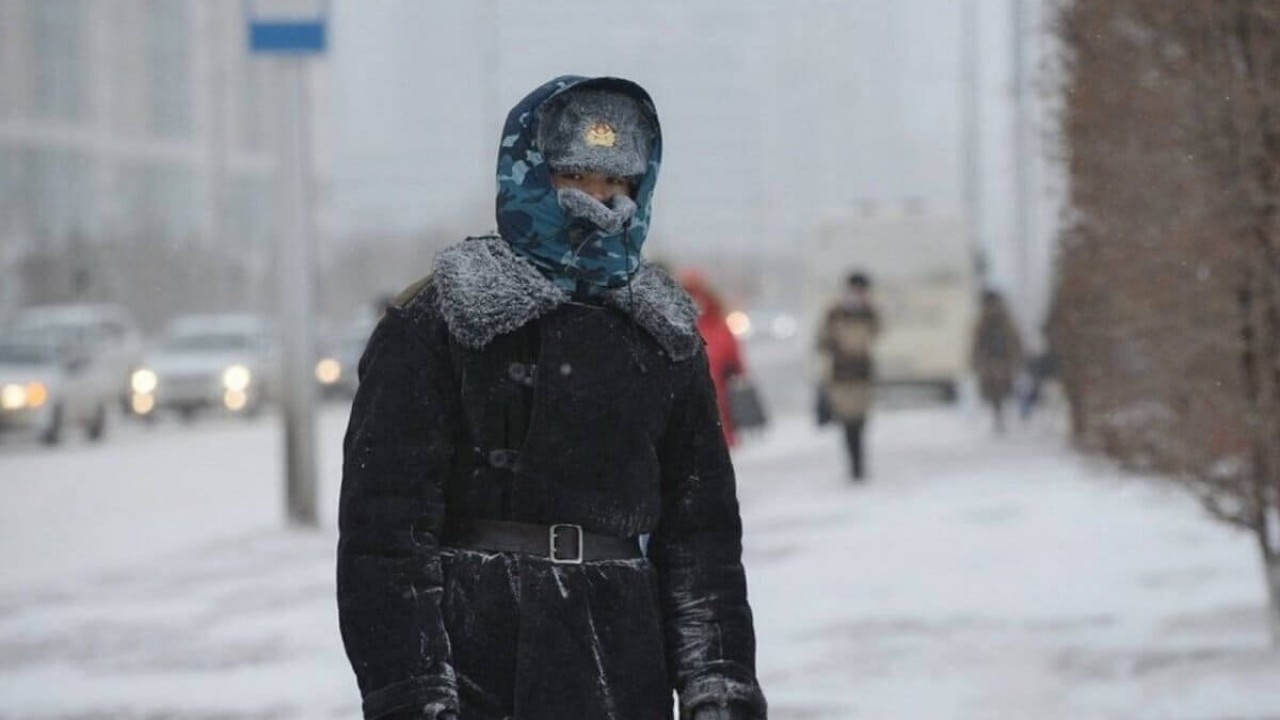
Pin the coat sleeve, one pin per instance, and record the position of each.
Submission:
(697, 550)
(398, 446)
(820, 362)
(823, 342)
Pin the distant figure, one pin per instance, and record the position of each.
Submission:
(848, 331)
(997, 354)
(724, 356)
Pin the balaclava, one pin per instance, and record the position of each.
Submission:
(595, 130)
(603, 125)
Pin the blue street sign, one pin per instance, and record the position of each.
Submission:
(291, 27)
(278, 37)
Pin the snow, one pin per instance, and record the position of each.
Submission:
(973, 577)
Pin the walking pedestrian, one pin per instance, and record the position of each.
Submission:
(845, 340)
(997, 354)
(724, 355)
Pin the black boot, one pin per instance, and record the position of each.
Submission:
(853, 441)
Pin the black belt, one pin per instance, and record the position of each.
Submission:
(562, 544)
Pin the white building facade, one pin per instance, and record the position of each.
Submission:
(131, 121)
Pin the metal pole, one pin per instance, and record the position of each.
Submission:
(219, 151)
(296, 270)
(1021, 172)
(972, 143)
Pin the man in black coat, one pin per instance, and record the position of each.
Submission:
(527, 415)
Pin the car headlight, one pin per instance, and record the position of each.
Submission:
(13, 397)
(739, 323)
(37, 394)
(328, 371)
(142, 403)
(236, 378)
(143, 381)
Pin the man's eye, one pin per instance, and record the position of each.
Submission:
(617, 181)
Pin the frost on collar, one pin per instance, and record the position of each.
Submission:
(485, 290)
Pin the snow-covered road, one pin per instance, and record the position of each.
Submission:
(971, 578)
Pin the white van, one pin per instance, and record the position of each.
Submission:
(923, 281)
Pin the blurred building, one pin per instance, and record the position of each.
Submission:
(131, 122)
(144, 120)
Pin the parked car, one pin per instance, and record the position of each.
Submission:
(80, 354)
(45, 388)
(339, 357)
(207, 362)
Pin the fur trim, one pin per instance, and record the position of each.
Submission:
(484, 289)
(657, 303)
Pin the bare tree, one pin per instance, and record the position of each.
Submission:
(1167, 309)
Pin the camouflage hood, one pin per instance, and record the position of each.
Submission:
(529, 214)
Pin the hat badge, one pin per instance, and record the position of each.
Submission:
(601, 134)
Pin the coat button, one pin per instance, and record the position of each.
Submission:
(503, 459)
(566, 369)
(522, 373)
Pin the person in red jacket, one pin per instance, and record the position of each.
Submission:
(723, 354)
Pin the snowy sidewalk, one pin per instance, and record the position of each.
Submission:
(984, 578)
(971, 578)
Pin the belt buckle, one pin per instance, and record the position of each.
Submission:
(554, 554)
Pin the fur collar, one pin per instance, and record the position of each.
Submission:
(485, 290)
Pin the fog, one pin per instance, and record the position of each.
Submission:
(981, 300)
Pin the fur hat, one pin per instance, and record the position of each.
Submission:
(592, 129)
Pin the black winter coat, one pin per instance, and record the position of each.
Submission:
(486, 394)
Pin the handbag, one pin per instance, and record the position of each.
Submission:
(822, 407)
(746, 406)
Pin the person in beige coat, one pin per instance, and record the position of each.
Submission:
(845, 339)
